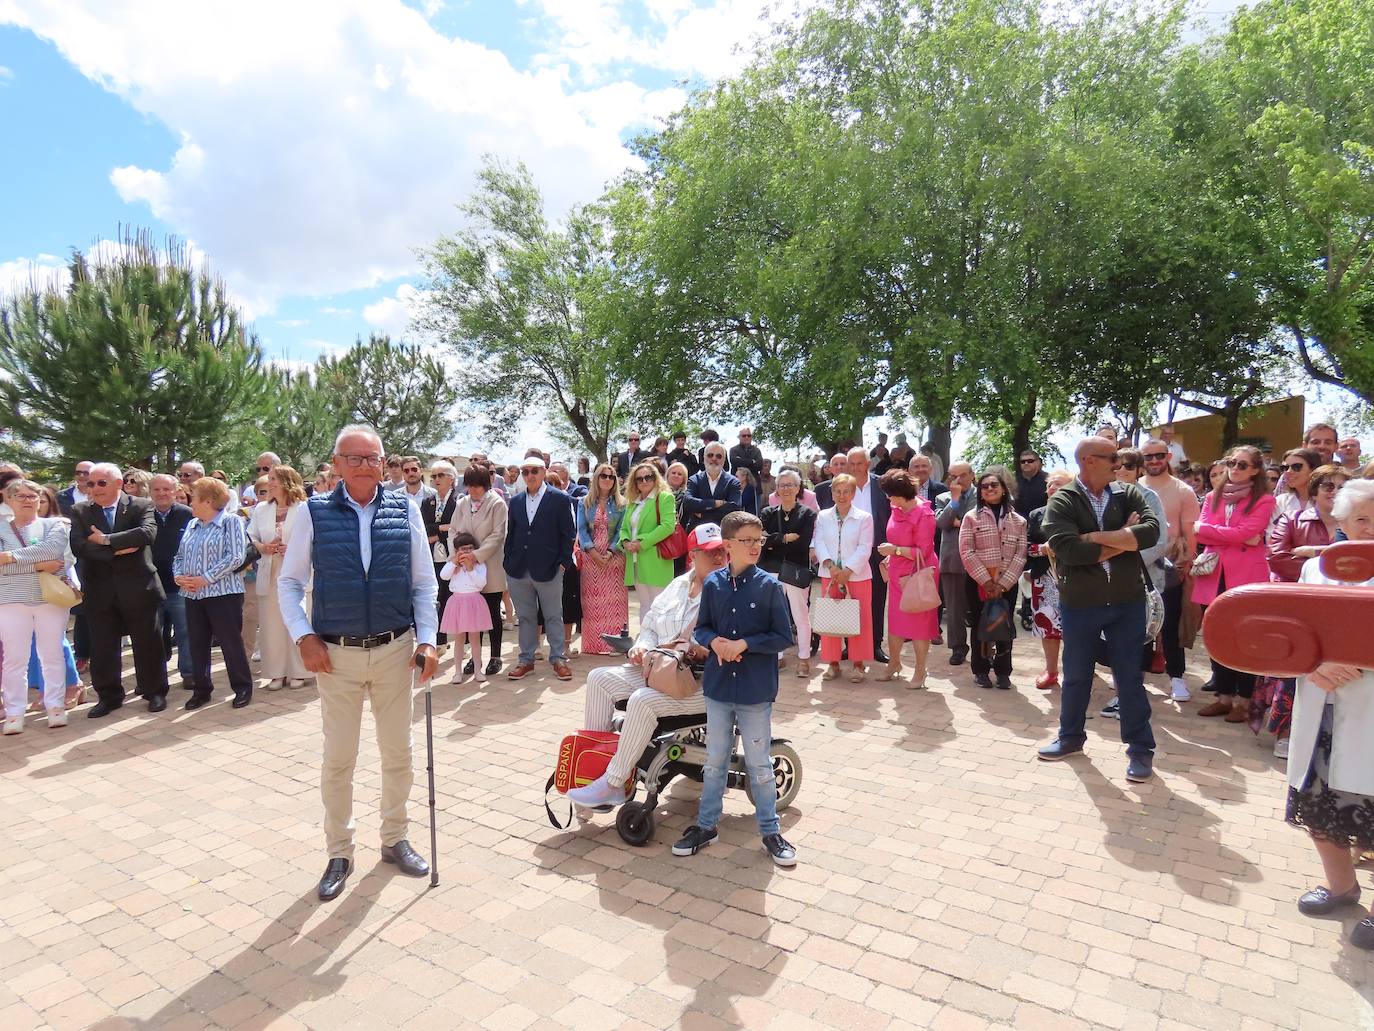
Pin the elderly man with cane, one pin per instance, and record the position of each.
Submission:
(373, 579)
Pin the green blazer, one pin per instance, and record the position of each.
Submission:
(656, 523)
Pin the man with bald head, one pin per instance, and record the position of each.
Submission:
(1096, 527)
(112, 537)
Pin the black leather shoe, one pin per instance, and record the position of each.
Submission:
(240, 700)
(1056, 750)
(493, 667)
(957, 658)
(196, 701)
(879, 655)
(102, 709)
(1140, 768)
(1004, 683)
(1321, 901)
(335, 876)
(468, 668)
(405, 857)
(1362, 934)
(982, 680)
(157, 703)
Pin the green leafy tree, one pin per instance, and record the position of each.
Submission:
(522, 304)
(141, 360)
(397, 388)
(300, 420)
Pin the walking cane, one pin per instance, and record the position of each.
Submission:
(429, 749)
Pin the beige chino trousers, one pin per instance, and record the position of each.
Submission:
(382, 675)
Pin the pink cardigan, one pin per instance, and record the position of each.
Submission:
(1241, 563)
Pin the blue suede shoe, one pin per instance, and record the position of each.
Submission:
(598, 793)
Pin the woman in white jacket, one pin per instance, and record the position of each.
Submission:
(269, 529)
(1330, 763)
(843, 544)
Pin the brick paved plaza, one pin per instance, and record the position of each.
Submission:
(160, 872)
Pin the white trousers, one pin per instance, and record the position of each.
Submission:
(20, 626)
(607, 685)
(797, 600)
(646, 595)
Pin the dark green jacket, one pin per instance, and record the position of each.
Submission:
(1078, 565)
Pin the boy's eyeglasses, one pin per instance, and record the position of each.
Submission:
(749, 542)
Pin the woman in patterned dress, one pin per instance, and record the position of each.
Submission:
(1330, 763)
(1044, 588)
(605, 598)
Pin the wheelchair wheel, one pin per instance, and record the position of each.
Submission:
(635, 823)
(787, 774)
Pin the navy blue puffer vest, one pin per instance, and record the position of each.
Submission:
(347, 600)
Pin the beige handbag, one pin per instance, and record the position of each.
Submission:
(667, 671)
(920, 592)
(57, 591)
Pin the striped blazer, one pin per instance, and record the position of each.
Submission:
(213, 550)
(42, 540)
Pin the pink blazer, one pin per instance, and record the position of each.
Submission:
(1241, 563)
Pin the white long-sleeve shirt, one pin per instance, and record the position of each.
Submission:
(857, 545)
(296, 569)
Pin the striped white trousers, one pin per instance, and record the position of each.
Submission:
(608, 685)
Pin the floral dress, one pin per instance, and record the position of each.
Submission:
(605, 598)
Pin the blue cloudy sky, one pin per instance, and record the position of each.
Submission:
(307, 147)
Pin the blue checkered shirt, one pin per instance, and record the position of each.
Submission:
(1099, 503)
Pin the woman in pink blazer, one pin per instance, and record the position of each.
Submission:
(1235, 520)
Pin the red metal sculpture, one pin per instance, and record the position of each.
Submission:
(1287, 630)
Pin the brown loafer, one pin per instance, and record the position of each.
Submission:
(521, 671)
(562, 671)
(1238, 714)
(1221, 707)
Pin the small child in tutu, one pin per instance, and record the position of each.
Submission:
(466, 612)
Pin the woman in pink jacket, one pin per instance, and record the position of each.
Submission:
(1234, 523)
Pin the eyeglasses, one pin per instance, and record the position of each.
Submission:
(186, 476)
(358, 461)
(264, 468)
(106, 483)
(713, 457)
(1155, 456)
(606, 476)
(1238, 463)
(24, 497)
(750, 542)
(438, 474)
(634, 440)
(531, 472)
(1331, 485)
(411, 469)
(746, 436)
(644, 479)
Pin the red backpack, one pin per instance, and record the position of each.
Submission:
(582, 758)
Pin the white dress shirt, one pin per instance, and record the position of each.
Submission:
(532, 502)
(297, 569)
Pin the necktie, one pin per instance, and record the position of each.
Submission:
(110, 516)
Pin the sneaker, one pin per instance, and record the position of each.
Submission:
(696, 839)
(57, 718)
(783, 854)
(1281, 748)
(275, 684)
(982, 680)
(14, 725)
(1112, 710)
(298, 682)
(1178, 690)
(257, 656)
(598, 793)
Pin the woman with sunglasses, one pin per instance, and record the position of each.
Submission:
(650, 517)
(992, 547)
(1292, 496)
(1233, 527)
(605, 598)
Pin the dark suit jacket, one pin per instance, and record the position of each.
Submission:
(625, 461)
(700, 500)
(433, 519)
(541, 550)
(66, 498)
(681, 454)
(882, 508)
(168, 540)
(117, 581)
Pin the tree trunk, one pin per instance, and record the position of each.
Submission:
(1020, 434)
(941, 436)
(1230, 429)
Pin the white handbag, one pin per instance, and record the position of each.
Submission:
(836, 617)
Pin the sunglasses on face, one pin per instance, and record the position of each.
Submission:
(644, 479)
(1331, 485)
(1156, 456)
(1294, 467)
(1238, 463)
(989, 486)
(106, 483)
(1029, 461)
(411, 469)
(606, 476)
(436, 475)
(186, 476)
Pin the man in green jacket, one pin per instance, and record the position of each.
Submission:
(1095, 528)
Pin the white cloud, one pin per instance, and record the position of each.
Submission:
(392, 314)
(6, 75)
(46, 271)
(292, 323)
(329, 138)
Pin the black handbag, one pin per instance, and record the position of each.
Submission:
(994, 624)
(251, 554)
(796, 575)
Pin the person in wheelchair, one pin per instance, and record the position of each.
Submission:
(671, 617)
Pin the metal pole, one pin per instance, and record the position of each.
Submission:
(429, 746)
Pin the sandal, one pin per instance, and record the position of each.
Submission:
(889, 673)
(831, 673)
(858, 675)
(1047, 680)
(803, 667)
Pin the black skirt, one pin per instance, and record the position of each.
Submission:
(1342, 817)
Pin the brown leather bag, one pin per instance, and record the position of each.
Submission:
(667, 670)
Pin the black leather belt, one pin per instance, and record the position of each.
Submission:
(375, 641)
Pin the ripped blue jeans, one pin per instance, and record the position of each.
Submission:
(756, 732)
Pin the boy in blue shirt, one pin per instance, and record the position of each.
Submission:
(744, 623)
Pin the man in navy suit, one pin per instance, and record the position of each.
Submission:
(712, 494)
(69, 497)
(539, 546)
(833, 468)
(172, 517)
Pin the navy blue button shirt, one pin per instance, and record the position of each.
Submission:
(750, 607)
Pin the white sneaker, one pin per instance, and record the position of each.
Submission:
(298, 682)
(1179, 690)
(57, 718)
(14, 725)
(1281, 748)
(257, 656)
(275, 684)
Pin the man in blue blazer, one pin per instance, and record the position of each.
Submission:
(69, 497)
(712, 494)
(539, 546)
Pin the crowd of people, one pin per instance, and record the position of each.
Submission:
(1111, 563)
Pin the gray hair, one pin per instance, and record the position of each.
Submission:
(1353, 494)
(276, 458)
(108, 470)
(788, 474)
(163, 476)
(441, 466)
(200, 469)
(358, 428)
(15, 486)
